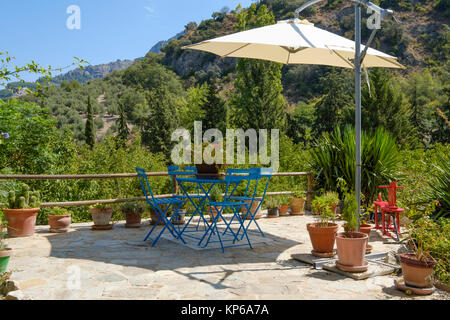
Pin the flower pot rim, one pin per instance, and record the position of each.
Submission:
(359, 235)
(411, 260)
(102, 210)
(330, 225)
(59, 215)
(27, 210)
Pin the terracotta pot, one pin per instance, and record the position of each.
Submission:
(283, 210)
(101, 217)
(297, 205)
(59, 224)
(208, 171)
(179, 219)
(322, 237)
(272, 213)
(21, 222)
(133, 220)
(4, 259)
(365, 228)
(154, 217)
(252, 210)
(351, 248)
(416, 273)
(214, 213)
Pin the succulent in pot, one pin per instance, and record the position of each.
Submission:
(21, 211)
(101, 214)
(59, 220)
(272, 207)
(133, 214)
(322, 232)
(297, 204)
(351, 245)
(5, 252)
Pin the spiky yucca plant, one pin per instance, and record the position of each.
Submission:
(333, 158)
(440, 188)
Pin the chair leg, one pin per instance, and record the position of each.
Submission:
(383, 229)
(377, 226)
(398, 223)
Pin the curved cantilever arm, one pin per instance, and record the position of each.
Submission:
(304, 6)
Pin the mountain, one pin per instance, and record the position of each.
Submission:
(157, 47)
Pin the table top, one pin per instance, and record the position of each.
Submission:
(197, 180)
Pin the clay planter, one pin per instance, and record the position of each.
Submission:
(4, 259)
(322, 237)
(101, 217)
(179, 218)
(214, 213)
(60, 223)
(272, 213)
(416, 273)
(21, 222)
(351, 248)
(133, 220)
(154, 217)
(297, 205)
(207, 171)
(252, 210)
(365, 228)
(283, 210)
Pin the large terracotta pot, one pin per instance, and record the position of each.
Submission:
(21, 222)
(283, 210)
(4, 259)
(322, 236)
(101, 217)
(133, 220)
(59, 224)
(208, 171)
(351, 248)
(154, 217)
(416, 273)
(297, 205)
(252, 210)
(365, 228)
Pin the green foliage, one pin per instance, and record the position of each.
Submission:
(350, 212)
(440, 187)
(58, 211)
(89, 132)
(24, 198)
(272, 202)
(216, 194)
(133, 207)
(123, 131)
(321, 207)
(333, 157)
(214, 109)
(258, 83)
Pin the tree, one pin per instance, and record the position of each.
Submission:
(214, 108)
(122, 128)
(162, 120)
(89, 129)
(258, 101)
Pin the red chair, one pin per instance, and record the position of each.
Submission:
(391, 208)
(378, 204)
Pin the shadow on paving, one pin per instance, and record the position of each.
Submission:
(125, 247)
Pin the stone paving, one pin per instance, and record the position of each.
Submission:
(116, 264)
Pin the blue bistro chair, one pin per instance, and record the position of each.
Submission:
(155, 204)
(220, 207)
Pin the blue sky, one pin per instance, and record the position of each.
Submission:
(110, 29)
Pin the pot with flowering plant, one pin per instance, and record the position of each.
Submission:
(22, 208)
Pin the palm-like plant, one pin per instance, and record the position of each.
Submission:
(333, 159)
(440, 188)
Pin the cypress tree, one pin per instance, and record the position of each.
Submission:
(122, 127)
(89, 129)
(214, 109)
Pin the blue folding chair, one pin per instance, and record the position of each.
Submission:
(155, 205)
(220, 207)
(259, 174)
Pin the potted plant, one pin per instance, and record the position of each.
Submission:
(5, 252)
(205, 170)
(253, 208)
(284, 206)
(59, 220)
(133, 214)
(297, 204)
(154, 216)
(332, 199)
(101, 214)
(272, 207)
(215, 196)
(322, 232)
(417, 266)
(22, 210)
(351, 245)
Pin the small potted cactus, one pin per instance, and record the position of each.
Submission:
(59, 220)
(21, 212)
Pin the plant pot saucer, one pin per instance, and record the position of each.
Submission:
(133, 225)
(344, 267)
(271, 217)
(59, 230)
(400, 285)
(368, 249)
(323, 254)
(107, 227)
(297, 213)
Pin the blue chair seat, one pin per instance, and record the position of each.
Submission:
(244, 198)
(226, 203)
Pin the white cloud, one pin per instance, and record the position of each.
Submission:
(149, 9)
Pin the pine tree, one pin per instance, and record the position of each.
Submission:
(258, 101)
(122, 128)
(89, 129)
(214, 108)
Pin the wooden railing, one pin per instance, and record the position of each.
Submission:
(309, 192)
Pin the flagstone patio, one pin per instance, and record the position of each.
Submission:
(117, 264)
